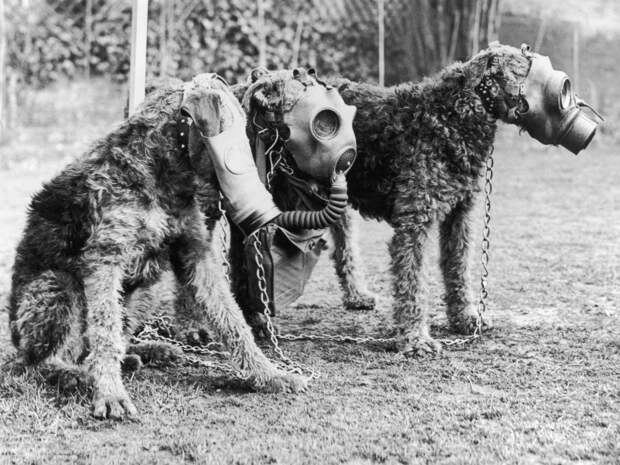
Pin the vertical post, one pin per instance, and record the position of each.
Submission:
(137, 71)
(381, 20)
(3, 80)
(297, 42)
(262, 39)
(166, 23)
(88, 25)
(576, 55)
(475, 29)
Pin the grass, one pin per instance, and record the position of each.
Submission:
(542, 387)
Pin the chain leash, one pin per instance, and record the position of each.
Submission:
(486, 243)
(224, 239)
(484, 257)
(191, 353)
(289, 364)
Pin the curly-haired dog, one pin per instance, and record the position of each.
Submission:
(422, 148)
(111, 222)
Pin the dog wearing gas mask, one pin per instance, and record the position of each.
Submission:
(422, 150)
(303, 140)
(111, 222)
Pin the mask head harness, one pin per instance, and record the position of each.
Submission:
(302, 125)
(546, 105)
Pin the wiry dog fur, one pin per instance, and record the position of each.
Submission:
(422, 148)
(112, 222)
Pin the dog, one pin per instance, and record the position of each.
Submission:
(422, 148)
(111, 223)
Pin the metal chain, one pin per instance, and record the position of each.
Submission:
(192, 355)
(224, 228)
(290, 365)
(150, 333)
(486, 243)
(484, 257)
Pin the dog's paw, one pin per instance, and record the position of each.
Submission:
(360, 301)
(282, 382)
(69, 380)
(466, 321)
(198, 337)
(418, 344)
(154, 353)
(113, 404)
(258, 323)
(131, 363)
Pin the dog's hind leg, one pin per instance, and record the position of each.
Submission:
(348, 265)
(454, 238)
(49, 313)
(406, 250)
(50, 323)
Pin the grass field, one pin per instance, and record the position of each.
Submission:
(542, 387)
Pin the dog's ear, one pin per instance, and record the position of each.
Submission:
(204, 107)
(483, 64)
(257, 73)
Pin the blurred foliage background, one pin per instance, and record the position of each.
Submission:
(83, 45)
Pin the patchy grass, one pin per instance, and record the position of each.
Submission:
(542, 387)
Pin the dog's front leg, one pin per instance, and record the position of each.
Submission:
(202, 273)
(406, 250)
(102, 288)
(454, 248)
(348, 267)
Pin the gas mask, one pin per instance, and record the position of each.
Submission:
(245, 198)
(304, 141)
(321, 139)
(553, 113)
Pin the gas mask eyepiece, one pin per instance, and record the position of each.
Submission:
(325, 126)
(554, 114)
(321, 141)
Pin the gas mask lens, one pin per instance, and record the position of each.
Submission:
(345, 161)
(566, 94)
(325, 124)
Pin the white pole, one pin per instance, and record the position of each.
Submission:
(137, 71)
(3, 80)
(262, 37)
(381, 20)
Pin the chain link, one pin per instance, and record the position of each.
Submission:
(290, 365)
(191, 355)
(224, 239)
(486, 243)
(484, 257)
